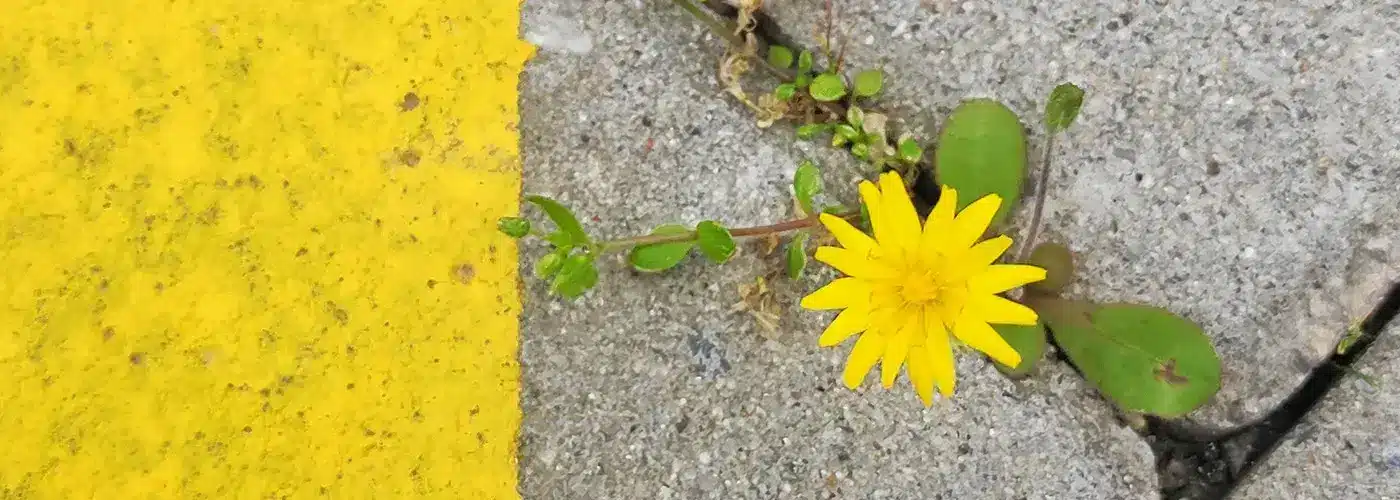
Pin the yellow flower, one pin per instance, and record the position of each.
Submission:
(909, 287)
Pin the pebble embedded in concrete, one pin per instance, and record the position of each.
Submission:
(651, 386)
(1234, 161)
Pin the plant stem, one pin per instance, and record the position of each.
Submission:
(1041, 187)
(738, 232)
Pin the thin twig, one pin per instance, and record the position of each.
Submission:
(1041, 186)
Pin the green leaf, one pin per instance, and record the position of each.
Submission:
(568, 225)
(811, 130)
(576, 275)
(1058, 263)
(847, 132)
(785, 92)
(860, 150)
(1028, 341)
(855, 117)
(550, 264)
(982, 151)
(804, 61)
(661, 256)
(797, 256)
(780, 56)
(869, 82)
(806, 184)
(827, 87)
(802, 80)
(1145, 359)
(514, 227)
(1063, 107)
(910, 151)
(560, 240)
(715, 241)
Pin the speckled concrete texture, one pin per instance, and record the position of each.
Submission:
(651, 387)
(1234, 161)
(1349, 447)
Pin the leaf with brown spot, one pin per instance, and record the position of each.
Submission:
(1144, 359)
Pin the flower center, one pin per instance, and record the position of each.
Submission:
(921, 289)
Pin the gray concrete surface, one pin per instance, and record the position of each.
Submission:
(1350, 446)
(649, 387)
(1235, 161)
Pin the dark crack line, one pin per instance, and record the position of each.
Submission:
(1191, 464)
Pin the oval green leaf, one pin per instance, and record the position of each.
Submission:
(806, 184)
(715, 241)
(576, 275)
(982, 151)
(1028, 341)
(1144, 359)
(572, 232)
(869, 82)
(1058, 263)
(797, 256)
(780, 56)
(661, 256)
(804, 61)
(910, 151)
(514, 227)
(827, 87)
(1063, 107)
(550, 264)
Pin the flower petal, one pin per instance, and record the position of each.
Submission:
(870, 195)
(851, 321)
(847, 235)
(985, 253)
(921, 373)
(972, 222)
(897, 349)
(999, 310)
(863, 357)
(940, 353)
(839, 294)
(939, 222)
(978, 335)
(852, 263)
(1002, 277)
(898, 214)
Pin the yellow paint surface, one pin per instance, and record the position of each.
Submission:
(241, 261)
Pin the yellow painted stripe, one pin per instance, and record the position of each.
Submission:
(249, 249)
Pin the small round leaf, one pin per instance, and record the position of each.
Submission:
(661, 256)
(515, 227)
(797, 256)
(806, 184)
(804, 61)
(576, 275)
(780, 56)
(811, 130)
(549, 264)
(1063, 107)
(827, 87)
(869, 82)
(715, 241)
